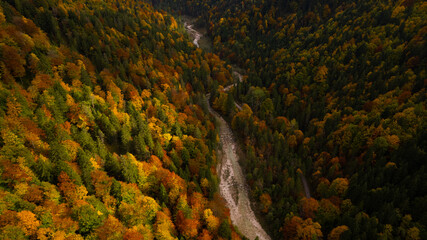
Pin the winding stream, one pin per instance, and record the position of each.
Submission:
(193, 33)
(232, 181)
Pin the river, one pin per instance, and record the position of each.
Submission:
(193, 33)
(232, 184)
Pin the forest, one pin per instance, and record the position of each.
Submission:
(335, 93)
(105, 132)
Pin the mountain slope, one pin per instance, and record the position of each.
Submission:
(335, 91)
(102, 136)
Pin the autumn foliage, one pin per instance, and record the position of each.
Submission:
(102, 131)
(332, 91)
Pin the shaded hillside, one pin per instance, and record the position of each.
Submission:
(335, 90)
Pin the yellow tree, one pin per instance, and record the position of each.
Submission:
(297, 228)
(321, 74)
(266, 202)
(212, 222)
(28, 222)
(339, 186)
(164, 228)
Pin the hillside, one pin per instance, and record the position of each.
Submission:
(103, 130)
(335, 92)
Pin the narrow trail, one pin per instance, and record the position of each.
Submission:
(240, 79)
(305, 185)
(232, 184)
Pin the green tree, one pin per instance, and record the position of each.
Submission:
(87, 217)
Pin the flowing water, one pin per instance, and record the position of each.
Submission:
(193, 33)
(232, 183)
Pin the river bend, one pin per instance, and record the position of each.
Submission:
(232, 182)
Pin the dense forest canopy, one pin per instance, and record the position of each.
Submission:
(335, 92)
(103, 131)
